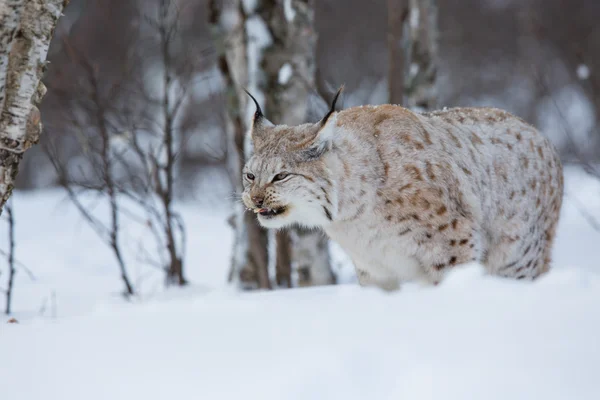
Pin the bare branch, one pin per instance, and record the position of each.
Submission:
(593, 221)
(22, 266)
(10, 258)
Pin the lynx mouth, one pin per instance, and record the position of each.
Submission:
(270, 212)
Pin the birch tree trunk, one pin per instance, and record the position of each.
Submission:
(26, 28)
(397, 12)
(249, 264)
(288, 67)
(420, 52)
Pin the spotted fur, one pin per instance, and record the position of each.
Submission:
(411, 196)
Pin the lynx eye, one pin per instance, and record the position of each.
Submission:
(250, 176)
(280, 176)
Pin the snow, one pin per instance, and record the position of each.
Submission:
(472, 337)
(285, 74)
(494, 341)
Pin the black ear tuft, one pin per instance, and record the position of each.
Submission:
(258, 113)
(332, 109)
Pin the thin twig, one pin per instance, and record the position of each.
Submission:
(593, 221)
(10, 257)
(21, 266)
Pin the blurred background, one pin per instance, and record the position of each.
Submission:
(536, 58)
(145, 112)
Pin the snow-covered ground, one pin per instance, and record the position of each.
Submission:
(473, 337)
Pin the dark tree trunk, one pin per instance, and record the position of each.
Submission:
(283, 266)
(289, 71)
(420, 51)
(10, 259)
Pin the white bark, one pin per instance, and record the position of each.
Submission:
(26, 28)
(420, 52)
(288, 77)
(270, 49)
(10, 15)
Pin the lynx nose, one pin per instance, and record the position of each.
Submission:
(258, 201)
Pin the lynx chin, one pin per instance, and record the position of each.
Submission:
(411, 196)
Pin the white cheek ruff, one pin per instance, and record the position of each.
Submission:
(311, 217)
(308, 215)
(275, 222)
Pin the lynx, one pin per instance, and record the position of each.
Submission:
(410, 196)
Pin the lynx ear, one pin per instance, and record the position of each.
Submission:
(332, 108)
(258, 119)
(326, 130)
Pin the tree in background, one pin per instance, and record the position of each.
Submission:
(91, 117)
(412, 53)
(277, 43)
(397, 12)
(177, 81)
(26, 28)
(287, 79)
(228, 19)
(132, 128)
(420, 55)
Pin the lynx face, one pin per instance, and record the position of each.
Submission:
(285, 180)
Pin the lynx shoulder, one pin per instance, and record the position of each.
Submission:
(411, 196)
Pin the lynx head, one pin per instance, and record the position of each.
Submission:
(286, 180)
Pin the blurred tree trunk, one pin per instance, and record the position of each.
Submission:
(166, 24)
(249, 264)
(397, 12)
(283, 259)
(420, 36)
(26, 28)
(311, 259)
(288, 65)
